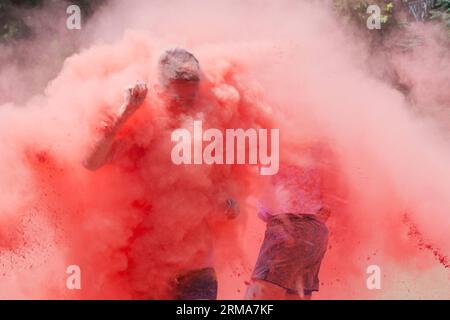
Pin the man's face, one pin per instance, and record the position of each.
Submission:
(182, 93)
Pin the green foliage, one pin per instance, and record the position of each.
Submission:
(442, 13)
(357, 11)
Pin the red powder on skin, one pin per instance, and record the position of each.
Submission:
(162, 230)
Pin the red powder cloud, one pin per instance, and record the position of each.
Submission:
(136, 223)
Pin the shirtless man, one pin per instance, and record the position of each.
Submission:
(179, 78)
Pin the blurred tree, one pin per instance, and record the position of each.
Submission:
(12, 12)
(11, 26)
(442, 12)
(395, 13)
(356, 10)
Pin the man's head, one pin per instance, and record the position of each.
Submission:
(179, 74)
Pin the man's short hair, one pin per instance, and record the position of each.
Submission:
(178, 64)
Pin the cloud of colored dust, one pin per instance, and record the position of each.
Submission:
(132, 226)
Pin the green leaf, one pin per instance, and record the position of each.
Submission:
(389, 7)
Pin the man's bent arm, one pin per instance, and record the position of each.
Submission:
(101, 152)
(102, 149)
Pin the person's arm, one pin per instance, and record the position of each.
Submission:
(232, 209)
(226, 200)
(98, 156)
(262, 211)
